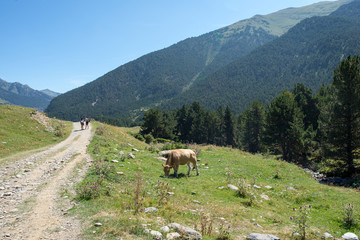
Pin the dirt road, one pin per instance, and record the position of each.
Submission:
(34, 191)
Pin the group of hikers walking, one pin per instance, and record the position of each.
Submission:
(84, 121)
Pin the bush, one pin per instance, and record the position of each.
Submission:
(88, 190)
(149, 138)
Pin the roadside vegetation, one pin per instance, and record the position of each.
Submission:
(20, 131)
(271, 198)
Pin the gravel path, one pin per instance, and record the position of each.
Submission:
(34, 191)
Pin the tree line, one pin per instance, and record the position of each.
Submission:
(321, 129)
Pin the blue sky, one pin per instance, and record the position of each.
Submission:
(64, 44)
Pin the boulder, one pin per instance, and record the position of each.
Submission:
(165, 229)
(173, 235)
(327, 236)
(131, 155)
(350, 236)
(258, 236)
(232, 187)
(150, 210)
(156, 234)
(186, 232)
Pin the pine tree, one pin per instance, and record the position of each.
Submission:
(284, 127)
(253, 127)
(229, 127)
(344, 129)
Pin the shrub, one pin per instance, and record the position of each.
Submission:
(301, 219)
(349, 215)
(88, 190)
(162, 190)
(243, 186)
(149, 138)
(102, 168)
(224, 232)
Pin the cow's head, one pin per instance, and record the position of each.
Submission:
(166, 170)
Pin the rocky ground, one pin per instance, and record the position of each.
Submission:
(34, 191)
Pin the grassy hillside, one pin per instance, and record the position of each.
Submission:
(202, 200)
(19, 131)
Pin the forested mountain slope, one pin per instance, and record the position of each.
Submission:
(165, 74)
(22, 95)
(308, 53)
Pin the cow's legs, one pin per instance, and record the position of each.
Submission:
(189, 168)
(176, 170)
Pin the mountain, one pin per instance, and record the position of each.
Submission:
(308, 53)
(50, 93)
(22, 95)
(163, 75)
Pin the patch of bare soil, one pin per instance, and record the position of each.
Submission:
(34, 191)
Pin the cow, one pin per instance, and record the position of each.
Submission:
(180, 157)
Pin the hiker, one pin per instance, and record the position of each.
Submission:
(82, 123)
(87, 120)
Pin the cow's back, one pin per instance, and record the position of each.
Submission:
(183, 156)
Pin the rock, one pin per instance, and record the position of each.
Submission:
(256, 186)
(165, 153)
(196, 201)
(135, 150)
(188, 233)
(114, 161)
(265, 197)
(268, 187)
(258, 236)
(162, 159)
(173, 235)
(165, 229)
(131, 155)
(7, 194)
(221, 187)
(292, 188)
(350, 236)
(150, 210)
(98, 224)
(156, 234)
(327, 236)
(232, 187)
(170, 193)
(119, 173)
(193, 193)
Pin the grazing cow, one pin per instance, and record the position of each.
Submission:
(180, 157)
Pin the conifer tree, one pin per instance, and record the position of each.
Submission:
(344, 129)
(284, 127)
(229, 127)
(253, 127)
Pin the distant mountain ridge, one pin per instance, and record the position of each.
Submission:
(165, 75)
(22, 95)
(308, 53)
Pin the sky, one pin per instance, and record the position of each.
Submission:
(63, 44)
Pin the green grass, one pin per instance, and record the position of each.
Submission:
(291, 188)
(19, 132)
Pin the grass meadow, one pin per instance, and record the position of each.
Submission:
(20, 133)
(115, 194)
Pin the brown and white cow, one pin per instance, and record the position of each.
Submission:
(180, 157)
